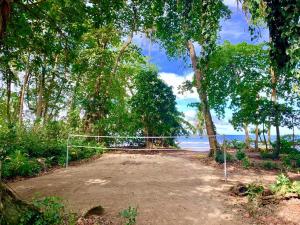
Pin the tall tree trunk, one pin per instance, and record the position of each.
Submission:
(277, 122)
(247, 137)
(256, 138)
(210, 128)
(40, 98)
(269, 135)
(22, 93)
(265, 141)
(8, 94)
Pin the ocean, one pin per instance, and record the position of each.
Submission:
(201, 143)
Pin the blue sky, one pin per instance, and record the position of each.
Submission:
(176, 71)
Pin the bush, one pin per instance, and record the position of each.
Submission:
(254, 191)
(130, 215)
(291, 160)
(240, 154)
(77, 153)
(286, 146)
(269, 165)
(18, 164)
(219, 157)
(237, 144)
(266, 155)
(246, 163)
(284, 185)
(52, 213)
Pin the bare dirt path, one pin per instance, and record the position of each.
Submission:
(168, 189)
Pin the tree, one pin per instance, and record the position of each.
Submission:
(282, 19)
(184, 24)
(153, 105)
(236, 77)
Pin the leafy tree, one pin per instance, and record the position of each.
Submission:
(282, 19)
(153, 105)
(184, 24)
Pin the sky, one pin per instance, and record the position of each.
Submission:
(175, 71)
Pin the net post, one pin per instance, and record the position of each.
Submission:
(225, 159)
(67, 154)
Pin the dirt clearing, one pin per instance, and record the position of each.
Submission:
(167, 188)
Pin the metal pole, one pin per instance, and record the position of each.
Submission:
(225, 163)
(67, 155)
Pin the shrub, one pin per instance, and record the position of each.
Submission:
(52, 212)
(269, 165)
(219, 157)
(291, 160)
(238, 144)
(284, 185)
(240, 154)
(130, 215)
(18, 164)
(254, 191)
(246, 163)
(266, 155)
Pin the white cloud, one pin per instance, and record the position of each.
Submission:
(230, 3)
(175, 81)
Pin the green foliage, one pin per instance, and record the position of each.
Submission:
(254, 191)
(130, 215)
(284, 185)
(27, 152)
(154, 106)
(52, 213)
(266, 155)
(219, 157)
(269, 165)
(240, 154)
(18, 164)
(238, 144)
(246, 163)
(77, 153)
(291, 160)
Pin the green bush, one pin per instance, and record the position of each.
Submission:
(246, 163)
(18, 164)
(286, 146)
(284, 185)
(291, 160)
(266, 155)
(219, 157)
(269, 165)
(130, 215)
(52, 212)
(237, 144)
(240, 154)
(254, 191)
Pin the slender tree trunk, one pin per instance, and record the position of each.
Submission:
(22, 94)
(8, 95)
(247, 137)
(256, 137)
(265, 141)
(274, 99)
(269, 135)
(40, 98)
(210, 128)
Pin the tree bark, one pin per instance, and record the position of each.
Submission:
(40, 98)
(12, 209)
(22, 93)
(277, 122)
(8, 95)
(210, 128)
(256, 137)
(247, 137)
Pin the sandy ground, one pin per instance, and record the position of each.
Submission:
(167, 188)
